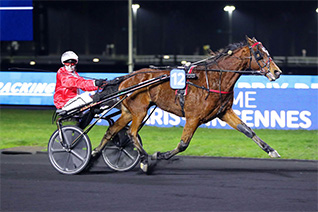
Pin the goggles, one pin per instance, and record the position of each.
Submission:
(70, 64)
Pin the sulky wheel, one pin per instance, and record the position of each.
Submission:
(73, 158)
(120, 153)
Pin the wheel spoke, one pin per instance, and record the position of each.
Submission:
(77, 155)
(129, 155)
(112, 147)
(118, 159)
(66, 162)
(79, 137)
(57, 150)
(65, 137)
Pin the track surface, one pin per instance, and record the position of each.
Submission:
(29, 183)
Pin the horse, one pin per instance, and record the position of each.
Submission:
(207, 96)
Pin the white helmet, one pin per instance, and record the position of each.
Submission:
(69, 55)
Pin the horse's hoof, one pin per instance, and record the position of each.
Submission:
(94, 153)
(148, 166)
(274, 154)
(155, 156)
(144, 167)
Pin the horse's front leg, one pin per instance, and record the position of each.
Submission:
(234, 121)
(188, 131)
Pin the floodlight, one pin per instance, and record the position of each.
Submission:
(135, 7)
(229, 8)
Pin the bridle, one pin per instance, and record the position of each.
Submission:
(253, 53)
(259, 58)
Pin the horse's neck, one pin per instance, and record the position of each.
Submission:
(236, 62)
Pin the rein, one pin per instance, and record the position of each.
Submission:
(233, 71)
(256, 54)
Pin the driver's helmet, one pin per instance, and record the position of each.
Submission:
(69, 59)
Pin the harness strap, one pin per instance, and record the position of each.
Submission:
(210, 90)
(183, 92)
(206, 79)
(180, 95)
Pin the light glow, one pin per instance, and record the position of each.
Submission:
(96, 60)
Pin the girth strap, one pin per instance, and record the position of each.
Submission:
(180, 94)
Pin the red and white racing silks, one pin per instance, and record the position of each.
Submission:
(67, 85)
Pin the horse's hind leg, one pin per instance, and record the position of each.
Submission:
(188, 131)
(234, 121)
(137, 119)
(123, 120)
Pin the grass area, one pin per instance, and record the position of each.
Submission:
(34, 128)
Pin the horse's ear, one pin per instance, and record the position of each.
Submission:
(249, 40)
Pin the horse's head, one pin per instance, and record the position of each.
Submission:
(261, 60)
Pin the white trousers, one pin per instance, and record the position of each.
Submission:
(78, 101)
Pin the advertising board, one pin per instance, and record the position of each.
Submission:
(291, 102)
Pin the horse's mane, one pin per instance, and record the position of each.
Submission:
(224, 51)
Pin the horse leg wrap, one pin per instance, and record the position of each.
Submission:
(167, 155)
(251, 134)
(162, 156)
(262, 144)
(246, 130)
(182, 146)
(144, 158)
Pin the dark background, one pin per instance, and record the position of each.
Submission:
(168, 27)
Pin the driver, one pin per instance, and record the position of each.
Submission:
(68, 83)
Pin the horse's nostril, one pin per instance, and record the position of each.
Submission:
(277, 73)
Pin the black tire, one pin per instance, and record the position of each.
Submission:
(70, 160)
(120, 153)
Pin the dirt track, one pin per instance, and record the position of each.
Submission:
(29, 183)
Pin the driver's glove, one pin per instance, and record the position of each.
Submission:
(100, 82)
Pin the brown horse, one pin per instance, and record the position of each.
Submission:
(208, 96)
